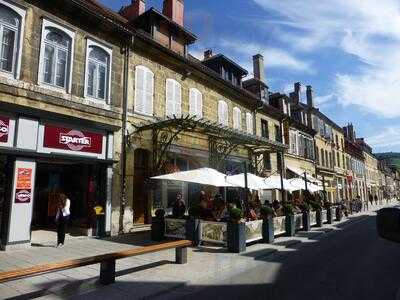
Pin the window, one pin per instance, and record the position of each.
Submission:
(195, 103)
(56, 53)
(249, 123)
(11, 27)
(293, 142)
(267, 161)
(173, 98)
(222, 113)
(237, 118)
(278, 134)
(338, 159)
(98, 64)
(322, 158)
(144, 90)
(264, 129)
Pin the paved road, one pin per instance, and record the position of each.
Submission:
(349, 264)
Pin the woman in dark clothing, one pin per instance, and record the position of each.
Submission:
(179, 208)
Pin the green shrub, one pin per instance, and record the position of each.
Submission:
(288, 208)
(266, 212)
(235, 214)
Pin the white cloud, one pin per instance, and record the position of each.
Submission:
(386, 139)
(367, 29)
(273, 57)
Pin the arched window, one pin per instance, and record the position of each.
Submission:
(97, 73)
(323, 158)
(173, 98)
(223, 113)
(144, 90)
(9, 34)
(195, 103)
(56, 57)
(237, 118)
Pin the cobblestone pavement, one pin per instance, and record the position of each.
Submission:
(147, 276)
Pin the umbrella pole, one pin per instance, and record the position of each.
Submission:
(305, 180)
(245, 183)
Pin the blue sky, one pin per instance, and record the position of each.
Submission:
(349, 51)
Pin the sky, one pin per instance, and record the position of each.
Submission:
(348, 50)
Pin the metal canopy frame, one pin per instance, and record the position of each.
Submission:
(222, 140)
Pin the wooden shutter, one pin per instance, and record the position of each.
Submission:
(237, 118)
(169, 100)
(140, 78)
(199, 104)
(249, 123)
(149, 92)
(192, 102)
(177, 99)
(223, 113)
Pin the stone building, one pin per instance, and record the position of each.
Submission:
(61, 95)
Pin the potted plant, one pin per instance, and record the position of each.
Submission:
(236, 231)
(158, 225)
(193, 224)
(267, 215)
(290, 227)
(329, 214)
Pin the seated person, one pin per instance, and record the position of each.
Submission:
(178, 208)
(251, 214)
(219, 210)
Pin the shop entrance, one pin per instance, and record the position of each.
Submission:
(83, 184)
(5, 192)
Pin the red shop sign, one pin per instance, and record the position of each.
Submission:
(4, 129)
(72, 139)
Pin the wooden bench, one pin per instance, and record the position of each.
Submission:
(106, 261)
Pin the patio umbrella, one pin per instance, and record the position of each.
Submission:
(204, 176)
(274, 183)
(299, 184)
(253, 182)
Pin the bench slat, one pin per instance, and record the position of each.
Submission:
(75, 263)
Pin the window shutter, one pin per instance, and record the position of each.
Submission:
(249, 123)
(177, 99)
(169, 103)
(237, 118)
(192, 102)
(221, 112)
(149, 92)
(199, 104)
(140, 90)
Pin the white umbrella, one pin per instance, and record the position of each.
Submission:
(204, 176)
(299, 184)
(274, 183)
(253, 182)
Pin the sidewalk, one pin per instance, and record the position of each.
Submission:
(151, 275)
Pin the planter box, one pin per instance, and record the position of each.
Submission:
(268, 230)
(290, 227)
(298, 221)
(254, 231)
(306, 221)
(236, 237)
(213, 232)
(339, 214)
(318, 216)
(279, 225)
(329, 215)
(324, 216)
(193, 230)
(313, 218)
(157, 229)
(175, 228)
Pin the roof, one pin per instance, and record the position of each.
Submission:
(224, 59)
(254, 81)
(153, 13)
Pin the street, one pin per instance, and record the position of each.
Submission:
(353, 263)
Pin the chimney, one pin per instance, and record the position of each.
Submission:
(296, 94)
(134, 10)
(174, 9)
(258, 67)
(310, 96)
(208, 54)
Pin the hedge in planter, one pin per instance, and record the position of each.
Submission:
(236, 232)
(267, 215)
(290, 225)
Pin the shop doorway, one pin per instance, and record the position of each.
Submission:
(140, 193)
(83, 184)
(5, 192)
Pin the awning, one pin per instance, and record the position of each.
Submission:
(274, 183)
(301, 172)
(253, 182)
(300, 184)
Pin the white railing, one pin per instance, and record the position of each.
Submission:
(324, 216)
(313, 218)
(298, 221)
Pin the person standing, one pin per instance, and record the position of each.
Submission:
(62, 218)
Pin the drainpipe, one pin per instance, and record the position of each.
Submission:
(282, 163)
(124, 137)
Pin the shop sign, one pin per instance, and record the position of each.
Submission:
(254, 231)
(72, 139)
(23, 192)
(4, 128)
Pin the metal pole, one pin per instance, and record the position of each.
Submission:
(245, 183)
(323, 186)
(305, 180)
